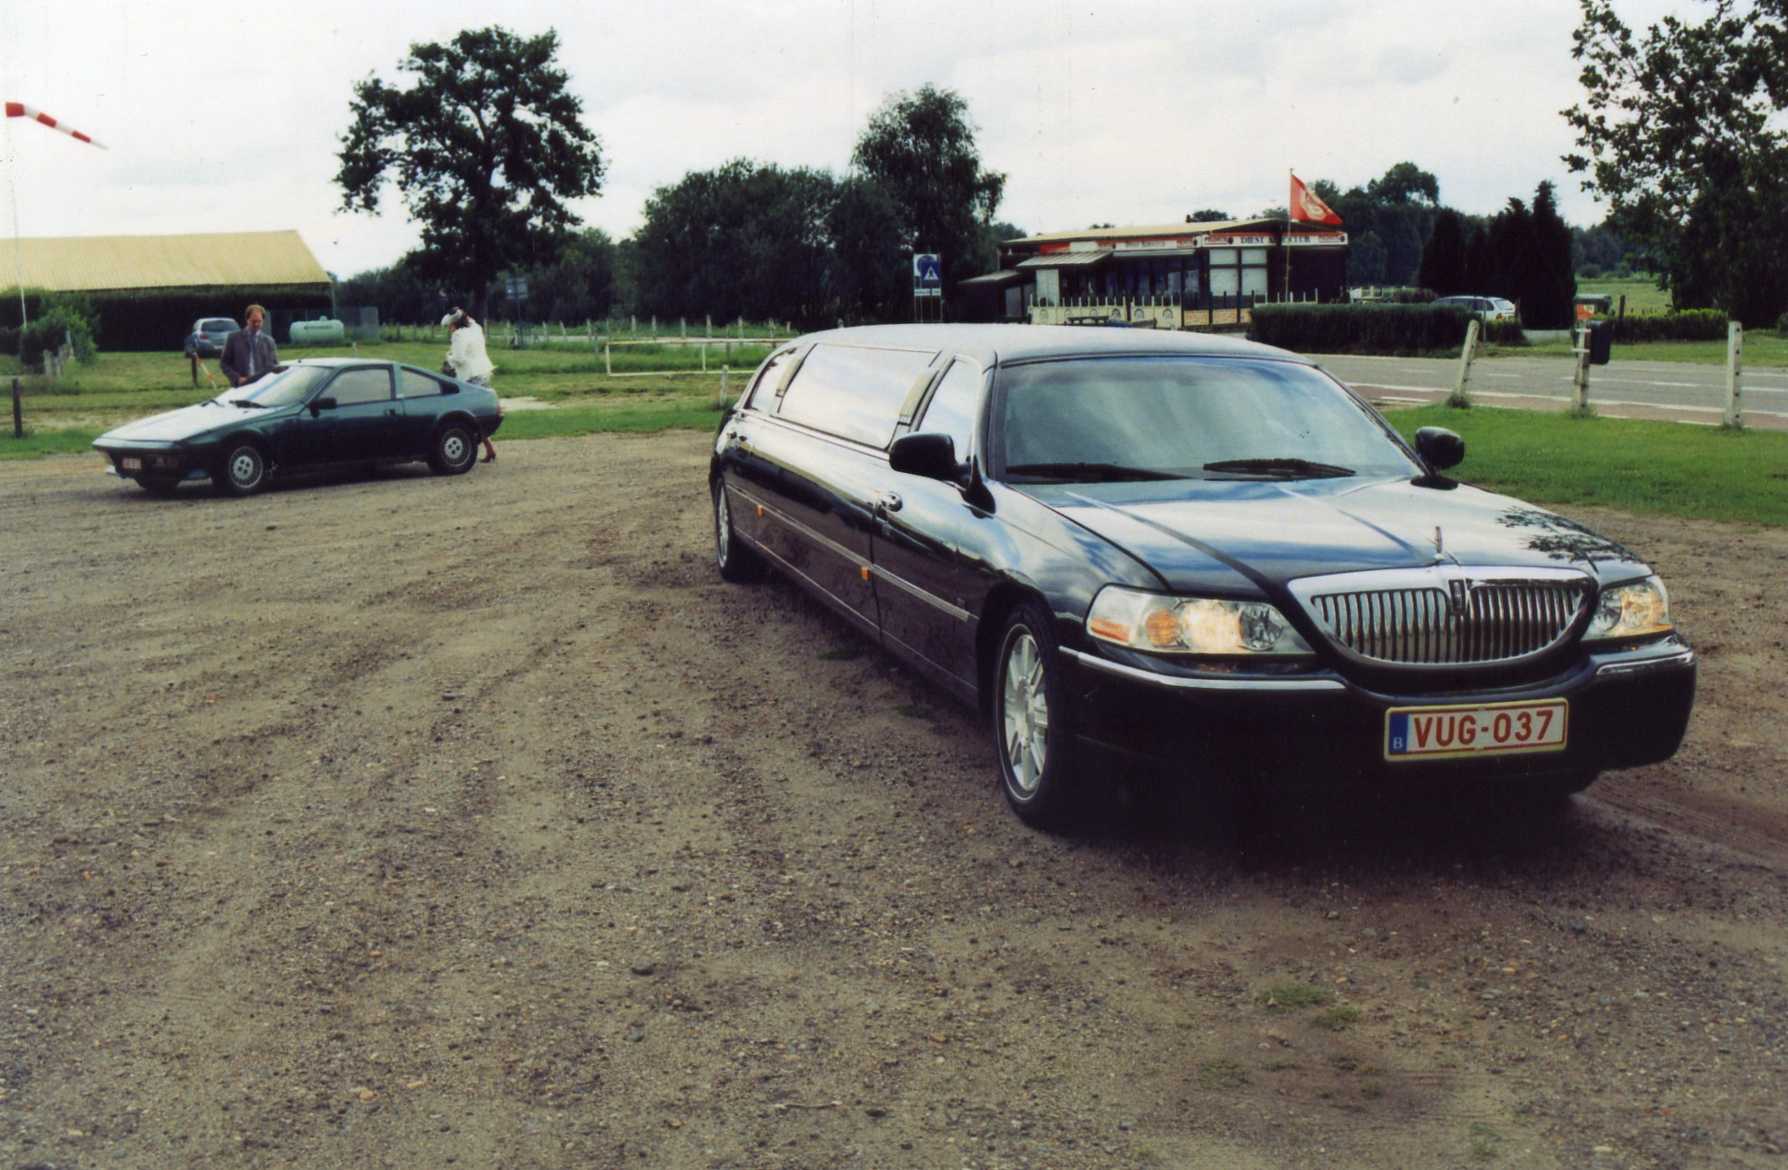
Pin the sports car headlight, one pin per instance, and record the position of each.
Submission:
(1631, 611)
(1190, 625)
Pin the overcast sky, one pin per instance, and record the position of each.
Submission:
(223, 117)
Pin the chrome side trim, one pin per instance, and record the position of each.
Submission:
(925, 595)
(875, 571)
(1287, 686)
(1668, 662)
(813, 586)
(804, 530)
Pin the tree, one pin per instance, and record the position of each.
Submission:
(920, 147)
(580, 284)
(486, 147)
(1405, 183)
(1366, 260)
(1480, 265)
(1443, 256)
(871, 277)
(1681, 131)
(746, 239)
(1510, 241)
(1208, 215)
(1549, 293)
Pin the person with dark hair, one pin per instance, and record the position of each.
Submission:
(467, 359)
(249, 353)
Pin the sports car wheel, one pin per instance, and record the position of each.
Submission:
(736, 562)
(1037, 768)
(456, 449)
(243, 471)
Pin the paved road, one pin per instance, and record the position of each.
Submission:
(1692, 393)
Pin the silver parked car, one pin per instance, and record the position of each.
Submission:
(1483, 308)
(207, 336)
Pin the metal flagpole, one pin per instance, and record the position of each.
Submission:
(18, 263)
(1285, 240)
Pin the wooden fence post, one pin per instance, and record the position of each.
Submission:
(608, 366)
(1461, 396)
(1735, 345)
(725, 387)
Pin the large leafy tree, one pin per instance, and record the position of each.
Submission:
(745, 239)
(1680, 129)
(487, 146)
(920, 148)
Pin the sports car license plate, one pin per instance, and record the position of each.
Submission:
(131, 463)
(1492, 729)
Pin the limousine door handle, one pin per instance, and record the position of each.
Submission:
(888, 502)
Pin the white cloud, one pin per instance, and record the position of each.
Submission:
(228, 118)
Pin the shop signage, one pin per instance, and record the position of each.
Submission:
(1304, 241)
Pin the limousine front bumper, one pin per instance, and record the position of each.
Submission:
(1625, 708)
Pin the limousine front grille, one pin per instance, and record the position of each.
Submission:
(1447, 616)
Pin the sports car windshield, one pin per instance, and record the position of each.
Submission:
(294, 385)
(1091, 419)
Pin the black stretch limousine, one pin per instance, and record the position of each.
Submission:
(1191, 550)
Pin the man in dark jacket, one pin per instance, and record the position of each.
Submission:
(248, 353)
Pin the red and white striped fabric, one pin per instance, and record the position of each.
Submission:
(21, 110)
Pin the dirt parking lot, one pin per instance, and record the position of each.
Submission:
(416, 822)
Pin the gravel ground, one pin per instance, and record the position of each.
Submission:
(420, 822)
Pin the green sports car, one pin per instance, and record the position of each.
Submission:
(311, 414)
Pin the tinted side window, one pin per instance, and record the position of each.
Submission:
(955, 406)
(365, 385)
(416, 384)
(853, 393)
(763, 393)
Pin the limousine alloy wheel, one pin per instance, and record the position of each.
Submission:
(1029, 708)
(736, 562)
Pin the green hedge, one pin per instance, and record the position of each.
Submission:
(1687, 325)
(1380, 328)
(161, 318)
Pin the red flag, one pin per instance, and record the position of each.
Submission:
(1307, 208)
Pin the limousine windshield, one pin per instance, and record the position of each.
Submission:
(1192, 418)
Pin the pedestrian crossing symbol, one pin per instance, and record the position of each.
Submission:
(928, 275)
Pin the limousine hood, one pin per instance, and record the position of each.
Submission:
(175, 425)
(1194, 533)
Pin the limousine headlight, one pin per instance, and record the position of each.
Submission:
(1190, 625)
(1631, 611)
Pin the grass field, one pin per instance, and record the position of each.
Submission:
(1642, 292)
(1764, 349)
(1668, 468)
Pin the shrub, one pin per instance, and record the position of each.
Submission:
(1687, 325)
(60, 319)
(1380, 328)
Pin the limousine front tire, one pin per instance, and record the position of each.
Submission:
(1030, 724)
(736, 562)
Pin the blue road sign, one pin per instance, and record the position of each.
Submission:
(928, 274)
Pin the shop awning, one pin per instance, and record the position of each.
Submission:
(1065, 260)
(1003, 276)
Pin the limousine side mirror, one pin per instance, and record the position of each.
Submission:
(927, 454)
(318, 405)
(1439, 447)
